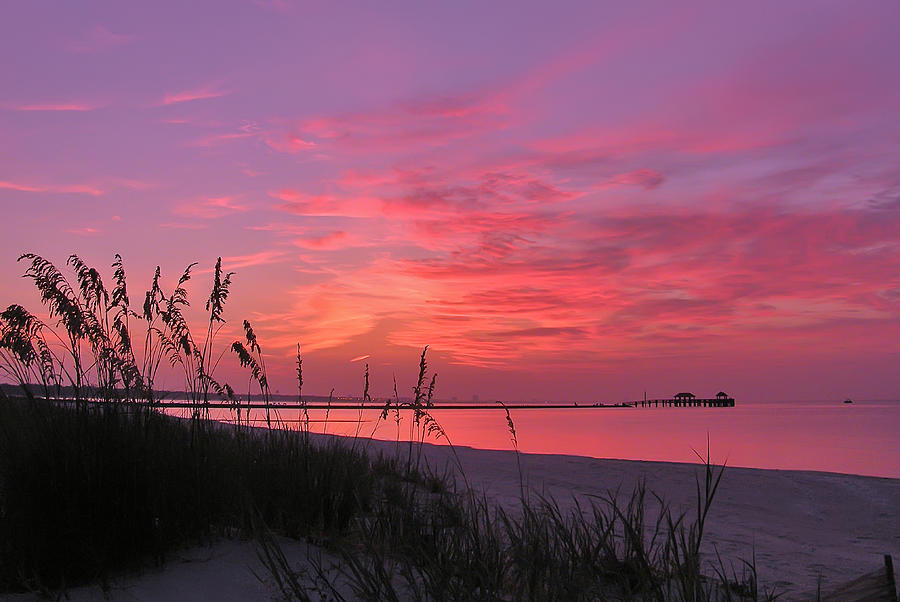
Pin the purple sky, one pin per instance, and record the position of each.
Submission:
(566, 200)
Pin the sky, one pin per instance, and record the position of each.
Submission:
(565, 201)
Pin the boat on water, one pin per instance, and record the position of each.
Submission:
(848, 400)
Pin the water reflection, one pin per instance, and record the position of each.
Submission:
(858, 439)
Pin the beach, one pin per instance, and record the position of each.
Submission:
(801, 526)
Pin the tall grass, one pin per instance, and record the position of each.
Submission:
(86, 493)
(25, 356)
(257, 366)
(425, 540)
(90, 490)
(90, 347)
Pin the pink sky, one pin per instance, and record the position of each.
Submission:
(565, 200)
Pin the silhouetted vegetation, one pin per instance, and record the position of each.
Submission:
(102, 481)
(87, 492)
(425, 540)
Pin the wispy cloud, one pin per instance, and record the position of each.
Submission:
(427, 121)
(86, 231)
(52, 188)
(331, 240)
(645, 178)
(247, 129)
(216, 139)
(252, 173)
(316, 238)
(621, 284)
(184, 226)
(289, 142)
(236, 262)
(301, 203)
(192, 94)
(210, 207)
(67, 106)
(129, 183)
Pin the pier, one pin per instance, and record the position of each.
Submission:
(689, 400)
(682, 400)
(696, 402)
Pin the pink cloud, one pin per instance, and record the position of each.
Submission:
(86, 231)
(437, 120)
(566, 192)
(55, 189)
(252, 173)
(183, 226)
(373, 180)
(77, 107)
(427, 193)
(301, 203)
(311, 238)
(214, 140)
(635, 280)
(129, 183)
(247, 129)
(210, 208)
(237, 262)
(289, 142)
(190, 95)
(428, 121)
(332, 240)
(645, 178)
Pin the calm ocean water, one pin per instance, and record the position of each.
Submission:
(860, 438)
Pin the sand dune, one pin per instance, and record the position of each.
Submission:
(801, 525)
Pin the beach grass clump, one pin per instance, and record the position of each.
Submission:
(440, 543)
(461, 547)
(448, 544)
(96, 480)
(90, 349)
(86, 493)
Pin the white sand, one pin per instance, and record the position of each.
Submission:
(802, 525)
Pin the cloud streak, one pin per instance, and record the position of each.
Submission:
(193, 94)
(57, 107)
(51, 188)
(211, 207)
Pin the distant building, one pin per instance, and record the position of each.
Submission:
(685, 396)
(721, 395)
